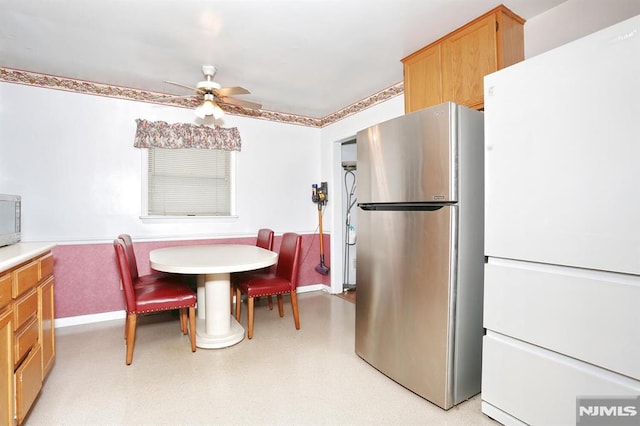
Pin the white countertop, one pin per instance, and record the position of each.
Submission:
(18, 253)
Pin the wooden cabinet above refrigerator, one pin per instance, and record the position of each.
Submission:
(453, 67)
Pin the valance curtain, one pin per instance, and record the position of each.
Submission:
(160, 134)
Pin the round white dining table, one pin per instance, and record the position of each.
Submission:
(213, 264)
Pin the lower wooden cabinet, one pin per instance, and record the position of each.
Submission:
(27, 334)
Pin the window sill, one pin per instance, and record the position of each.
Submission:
(188, 219)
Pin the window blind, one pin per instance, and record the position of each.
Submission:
(189, 182)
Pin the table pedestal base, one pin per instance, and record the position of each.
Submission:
(216, 328)
(209, 341)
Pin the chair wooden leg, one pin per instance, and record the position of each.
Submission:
(294, 304)
(270, 299)
(192, 327)
(183, 321)
(126, 328)
(249, 317)
(131, 336)
(280, 305)
(238, 303)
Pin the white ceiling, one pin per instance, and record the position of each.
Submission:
(303, 57)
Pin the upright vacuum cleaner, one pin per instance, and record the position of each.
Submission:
(319, 196)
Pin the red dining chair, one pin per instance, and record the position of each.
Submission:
(265, 238)
(265, 241)
(283, 281)
(154, 296)
(133, 266)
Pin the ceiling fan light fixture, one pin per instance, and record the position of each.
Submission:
(209, 107)
(218, 113)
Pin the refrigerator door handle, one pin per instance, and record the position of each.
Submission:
(402, 206)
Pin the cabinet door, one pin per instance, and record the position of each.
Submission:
(6, 368)
(422, 79)
(467, 56)
(47, 331)
(510, 39)
(28, 382)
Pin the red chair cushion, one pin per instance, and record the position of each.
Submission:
(161, 296)
(264, 286)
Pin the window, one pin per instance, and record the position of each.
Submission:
(189, 182)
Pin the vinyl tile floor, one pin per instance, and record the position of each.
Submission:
(282, 376)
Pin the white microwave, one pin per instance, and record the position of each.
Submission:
(10, 208)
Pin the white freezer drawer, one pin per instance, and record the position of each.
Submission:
(588, 315)
(540, 387)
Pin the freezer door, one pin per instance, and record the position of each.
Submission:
(403, 313)
(410, 158)
(562, 155)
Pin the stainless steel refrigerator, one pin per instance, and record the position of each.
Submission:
(419, 258)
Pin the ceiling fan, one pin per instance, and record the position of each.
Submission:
(212, 93)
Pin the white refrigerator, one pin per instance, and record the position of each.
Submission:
(562, 230)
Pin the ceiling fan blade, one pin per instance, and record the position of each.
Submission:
(228, 91)
(195, 89)
(171, 97)
(238, 102)
(211, 91)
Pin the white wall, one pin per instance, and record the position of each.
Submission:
(572, 20)
(72, 159)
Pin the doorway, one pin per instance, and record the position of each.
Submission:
(349, 217)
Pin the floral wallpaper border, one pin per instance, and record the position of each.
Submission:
(86, 87)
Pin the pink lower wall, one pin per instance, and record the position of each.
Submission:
(87, 280)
